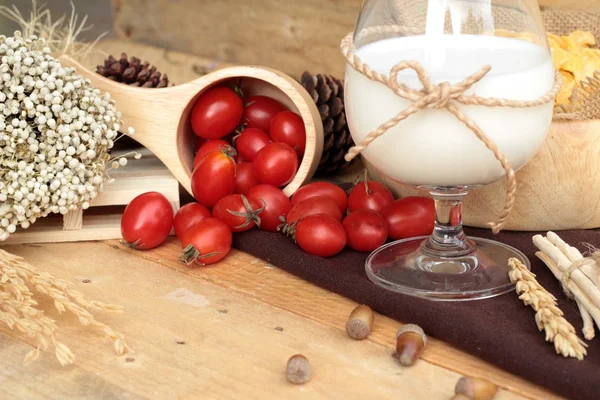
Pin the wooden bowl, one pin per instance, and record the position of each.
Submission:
(160, 117)
(558, 189)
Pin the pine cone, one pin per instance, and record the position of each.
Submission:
(132, 72)
(328, 94)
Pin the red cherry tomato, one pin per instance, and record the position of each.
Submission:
(260, 110)
(320, 235)
(288, 127)
(366, 230)
(239, 159)
(250, 141)
(313, 205)
(206, 242)
(409, 217)
(370, 196)
(276, 164)
(244, 178)
(213, 178)
(147, 221)
(456, 215)
(325, 189)
(198, 142)
(216, 113)
(276, 205)
(187, 216)
(208, 147)
(238, 212)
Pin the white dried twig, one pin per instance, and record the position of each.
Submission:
(578, 275)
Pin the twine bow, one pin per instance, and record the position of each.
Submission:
(439, 96)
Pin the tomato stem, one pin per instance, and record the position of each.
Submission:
(192, 255)
(250, 214)
(135, 245)
(237, 88)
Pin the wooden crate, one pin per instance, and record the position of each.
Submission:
(103, 219)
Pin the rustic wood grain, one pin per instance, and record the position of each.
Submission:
(289, 35)
(257, 279)
(210, 334)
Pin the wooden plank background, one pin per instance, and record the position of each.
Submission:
(289, 35)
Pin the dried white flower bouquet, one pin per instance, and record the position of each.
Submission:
(56, 131)
(55, 134)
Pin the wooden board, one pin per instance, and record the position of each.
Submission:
(221, 332)
(101, 222)
(289, 35)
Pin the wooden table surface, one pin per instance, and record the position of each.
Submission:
(224, 332)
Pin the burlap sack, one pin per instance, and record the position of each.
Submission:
(562, 22)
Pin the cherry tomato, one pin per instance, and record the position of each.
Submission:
(250, 141)
(213, 178)
(276, 204)
(208, 147)
(320, 235)
(370, 196)
(325, 189)
(238, 212)
(187, 216)
(147, 221)
(260, 110)
(456, 215)
(276, 164)
(366, 230)
(288, 127)
(206, 242)
(313, 205)
(239, 159)
(198, 142)
(409, 217)
(216, 113)
(244, 178)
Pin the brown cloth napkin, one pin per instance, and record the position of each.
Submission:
(500, 330)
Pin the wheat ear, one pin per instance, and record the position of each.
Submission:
(548, 316)
(18, 282)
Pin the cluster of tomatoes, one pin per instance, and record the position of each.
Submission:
(248, 149)
(321, 217)
(261, 141)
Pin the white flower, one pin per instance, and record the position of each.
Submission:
(54, 136)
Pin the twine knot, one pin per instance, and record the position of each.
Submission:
(576, 265)
(442, 95)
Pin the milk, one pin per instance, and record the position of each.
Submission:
(431, 147)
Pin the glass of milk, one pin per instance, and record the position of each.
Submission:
(451, 39)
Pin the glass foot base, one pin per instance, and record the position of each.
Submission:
(400, 266)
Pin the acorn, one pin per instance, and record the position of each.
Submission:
(298, 369)
(476, 388)
(410, 343)
(360, 322)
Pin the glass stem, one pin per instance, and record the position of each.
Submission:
(448, 238)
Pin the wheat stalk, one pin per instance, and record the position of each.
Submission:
(548, 316)
(61, 35)
(19, 280)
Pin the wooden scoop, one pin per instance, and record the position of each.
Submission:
(160, 117)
